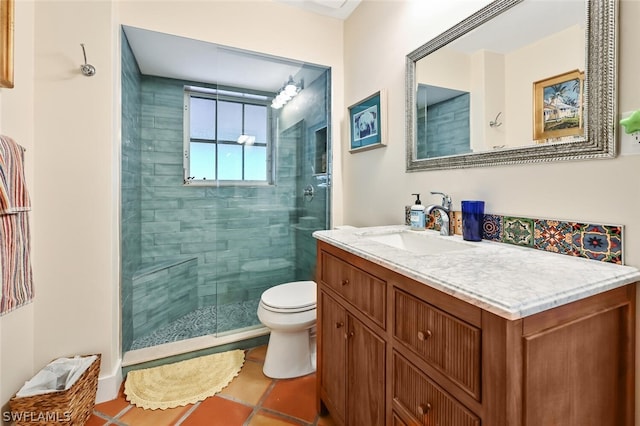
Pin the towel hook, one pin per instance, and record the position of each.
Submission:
(496, 123)
(87, 69)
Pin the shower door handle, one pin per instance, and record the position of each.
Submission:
(308, 192)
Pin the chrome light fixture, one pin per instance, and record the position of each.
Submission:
(286, 93)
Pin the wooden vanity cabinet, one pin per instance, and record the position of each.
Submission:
(352, 348)
(394, 351)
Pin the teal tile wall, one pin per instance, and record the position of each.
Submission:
(163, 293)
(310, 109)
(131, 184)
(453, 115)
(224, 227)
(221, 232)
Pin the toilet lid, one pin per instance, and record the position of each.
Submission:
(294, 296)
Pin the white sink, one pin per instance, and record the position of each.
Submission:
(421, 242)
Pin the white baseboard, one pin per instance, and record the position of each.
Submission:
(165, 350)
(109, 386)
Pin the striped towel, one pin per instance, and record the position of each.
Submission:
(15, 256)
(13, 192)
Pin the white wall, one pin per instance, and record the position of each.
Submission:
(16, 121)
(526, 65)
(487, 100)
(70, 126)
(597, 191)
(378, 36)
(75, 269)
(456, 75)
(600, 191)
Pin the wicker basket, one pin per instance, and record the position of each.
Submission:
(71, 407)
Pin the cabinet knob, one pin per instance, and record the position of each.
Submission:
(424, 335)
(339, 324)
(423, 409)
(348, 335)
(345, 281)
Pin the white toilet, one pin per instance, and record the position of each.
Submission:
(289, 310)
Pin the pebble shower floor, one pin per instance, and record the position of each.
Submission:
(203, 321)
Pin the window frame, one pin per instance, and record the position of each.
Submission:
(241, 96)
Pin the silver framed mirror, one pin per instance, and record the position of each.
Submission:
(593, 104)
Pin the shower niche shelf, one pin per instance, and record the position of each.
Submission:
(320, 163)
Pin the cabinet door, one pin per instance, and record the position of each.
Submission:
(366, 374)
(575, 374)
(333, 333)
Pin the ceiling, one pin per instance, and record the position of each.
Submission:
(522, 25)
(171, 56)
(517, 27)
(340, 9)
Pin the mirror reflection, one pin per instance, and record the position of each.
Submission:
(442, 121)
(511, 88)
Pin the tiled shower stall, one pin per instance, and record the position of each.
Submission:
(203, 255)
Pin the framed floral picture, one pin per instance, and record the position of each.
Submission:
(558, 106)
(367, 123)
(6, 43)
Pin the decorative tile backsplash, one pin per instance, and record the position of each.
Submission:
(596, 242)
(517, 230)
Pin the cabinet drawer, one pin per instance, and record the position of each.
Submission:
(443, 341)
(363, 290)
(416, 395)
(397, 421)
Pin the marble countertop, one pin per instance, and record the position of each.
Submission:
(510, 281)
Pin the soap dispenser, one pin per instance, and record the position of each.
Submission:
(417, 217)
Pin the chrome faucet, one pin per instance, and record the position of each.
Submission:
(446, 200)
(444, 208)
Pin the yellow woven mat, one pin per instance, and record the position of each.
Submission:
(184, 382)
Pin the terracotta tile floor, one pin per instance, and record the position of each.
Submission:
(251, 399)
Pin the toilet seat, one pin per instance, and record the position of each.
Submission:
(297, 296)
(289, 311)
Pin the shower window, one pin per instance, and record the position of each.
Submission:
(227, 137)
